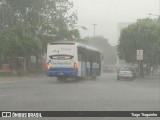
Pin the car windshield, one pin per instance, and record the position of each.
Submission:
(125, 69)
(80, 59)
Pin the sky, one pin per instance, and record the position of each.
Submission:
(108, 13)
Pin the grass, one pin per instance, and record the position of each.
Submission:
(6, 73)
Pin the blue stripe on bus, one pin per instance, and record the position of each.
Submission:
(68, 72)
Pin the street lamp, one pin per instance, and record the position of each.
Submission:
(157, 16)
(82, 27)
(94, 25)
(153, 15)
(76, 28)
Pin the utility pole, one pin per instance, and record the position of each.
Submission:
(94, 25)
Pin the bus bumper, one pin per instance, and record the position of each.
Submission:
(61, 72)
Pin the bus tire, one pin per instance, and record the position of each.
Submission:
(76, 78)
(94, 78)
(61, 78)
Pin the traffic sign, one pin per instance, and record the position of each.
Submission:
(139, 54)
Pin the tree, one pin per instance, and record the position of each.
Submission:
(141, 35)
(108, 51)
(27, 26)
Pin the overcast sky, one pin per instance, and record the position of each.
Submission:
(108, 13)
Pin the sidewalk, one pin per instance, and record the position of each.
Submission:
(151, 79)
(6, 73)
(27, 76)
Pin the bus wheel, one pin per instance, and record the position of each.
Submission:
(94, 78)
(61, 78)
(75, 78)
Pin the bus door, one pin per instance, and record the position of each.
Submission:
(91, 67)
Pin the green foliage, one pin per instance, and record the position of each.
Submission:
(13, 42)
(26, 26)
(144, 34)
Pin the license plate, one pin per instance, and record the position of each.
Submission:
(61, 73)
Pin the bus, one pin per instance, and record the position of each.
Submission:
(72, 60)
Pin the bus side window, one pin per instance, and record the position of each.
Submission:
(79, 57)
(88, 56)
(81, 54)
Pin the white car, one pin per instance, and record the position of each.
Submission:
(126, 73)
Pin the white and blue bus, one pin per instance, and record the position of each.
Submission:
(72, 60)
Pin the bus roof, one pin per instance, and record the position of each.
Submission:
(74, 43)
